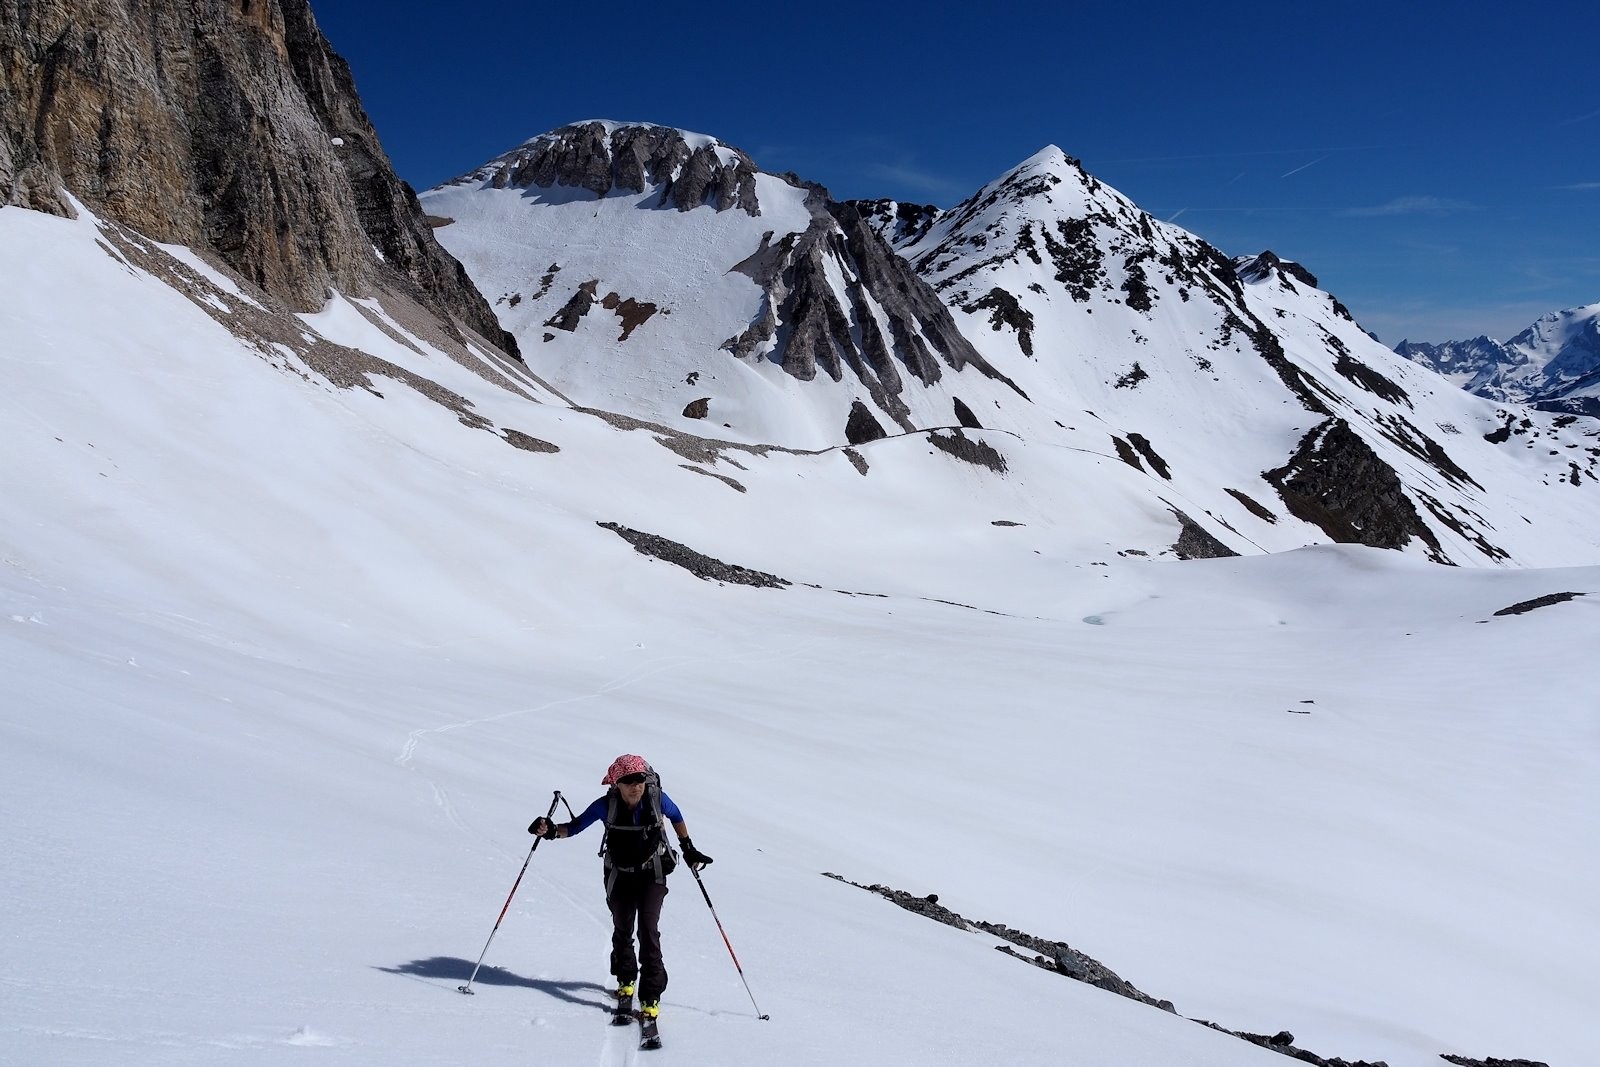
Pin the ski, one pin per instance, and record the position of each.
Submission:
(649, 1036)
(623, 1013)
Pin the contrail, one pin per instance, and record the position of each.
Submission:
(1327, 149)
(1176, 213)
(1313, 163)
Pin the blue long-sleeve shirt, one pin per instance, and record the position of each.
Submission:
(596, 812)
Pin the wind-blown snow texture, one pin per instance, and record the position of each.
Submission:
(303, 619)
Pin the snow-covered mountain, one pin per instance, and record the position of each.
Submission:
(306, 608)
(1553, 365)
(684, 284)
(662, 274)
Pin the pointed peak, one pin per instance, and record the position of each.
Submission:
(1049, 155)
(1049, 159)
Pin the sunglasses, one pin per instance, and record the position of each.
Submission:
(631, 779)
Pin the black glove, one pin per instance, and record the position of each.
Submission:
(696, 859)
(542, 827)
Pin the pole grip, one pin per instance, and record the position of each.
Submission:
(553, 802)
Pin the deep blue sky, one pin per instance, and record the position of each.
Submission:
(1436, 165)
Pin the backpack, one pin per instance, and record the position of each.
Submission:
(643, 846)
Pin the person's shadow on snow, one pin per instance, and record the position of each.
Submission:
(459, 970)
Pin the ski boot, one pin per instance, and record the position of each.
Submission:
(622, 1013)
(649, 1036)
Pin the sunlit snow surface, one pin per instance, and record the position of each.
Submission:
(288, 670)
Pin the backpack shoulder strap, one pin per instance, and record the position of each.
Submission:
(613, 802)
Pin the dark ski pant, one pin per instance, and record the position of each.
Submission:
(635, 901)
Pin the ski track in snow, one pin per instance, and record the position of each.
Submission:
(620, 1046)
(441, 795)
(414, 738)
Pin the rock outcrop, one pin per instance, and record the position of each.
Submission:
(1336, 482)
(603, 157)
(232, 127)
(830, 329)
(897, 222)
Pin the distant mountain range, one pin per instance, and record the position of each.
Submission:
(1553, 364)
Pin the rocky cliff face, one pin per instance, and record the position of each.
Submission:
(231, 126)
(883, 320)
(606, 156)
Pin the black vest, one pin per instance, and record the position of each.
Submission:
(631, 845)
(634, 840)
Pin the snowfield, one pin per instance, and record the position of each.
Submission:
(289, 669)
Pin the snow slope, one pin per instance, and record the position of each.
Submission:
(291, 665)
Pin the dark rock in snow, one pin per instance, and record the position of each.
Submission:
(861, 427)
(1354, 370)
(527, 442)
(1283, 1041)
(1336, 482)
(1055, 955)
(969, 449)
(1539, 602)
(1253, 506)
(696, 563)
(573, 311)
(1126, 453)
(1157, 464)
(1005, 310)
(1195, 542)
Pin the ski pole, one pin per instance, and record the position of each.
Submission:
(467, 989)
(725, 941)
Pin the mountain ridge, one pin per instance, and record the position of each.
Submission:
(1064, 297)
(1553, 364)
